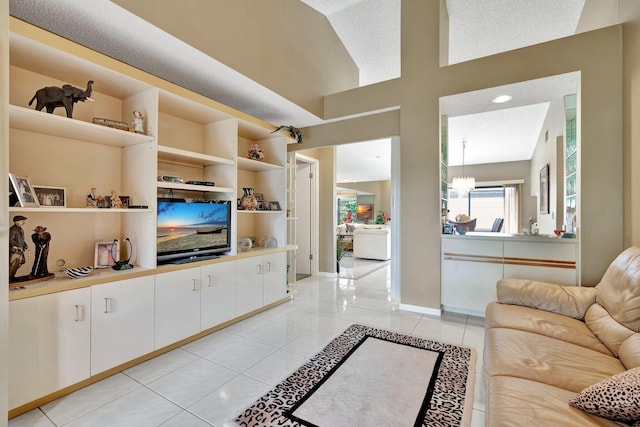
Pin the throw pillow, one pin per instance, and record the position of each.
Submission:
(616, 398)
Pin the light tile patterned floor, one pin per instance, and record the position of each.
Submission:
(207, 381)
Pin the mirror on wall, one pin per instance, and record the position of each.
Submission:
(502, 138)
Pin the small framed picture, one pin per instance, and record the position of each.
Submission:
(107, 254)
(53, 197)
(24, 191)
(259, 197)
(126, 201)
(274, 206)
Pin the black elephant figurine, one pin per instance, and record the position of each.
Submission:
(65, 96)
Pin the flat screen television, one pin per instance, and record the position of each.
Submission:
(192, 231)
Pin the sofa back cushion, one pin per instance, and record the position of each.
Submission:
(619, 290)
(606, 328)
(630, 352)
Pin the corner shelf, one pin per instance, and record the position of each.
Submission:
(64, 127)
(77, 210)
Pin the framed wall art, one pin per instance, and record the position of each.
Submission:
(106, 254)
(544, 189)
(24, 191)
(52, 197)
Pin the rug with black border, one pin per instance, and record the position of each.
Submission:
(372, 377)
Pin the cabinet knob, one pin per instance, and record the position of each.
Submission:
(107, 305)
(268, 266)
(210, 281)
(259, 268)
(195, 285)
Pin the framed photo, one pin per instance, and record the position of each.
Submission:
(24, 191)
(51, 197)
(544, 189)
(260, 205)
(126, 201)
(259, 197)
(107, 254)
(274, 206)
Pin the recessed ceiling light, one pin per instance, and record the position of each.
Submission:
(500, 99)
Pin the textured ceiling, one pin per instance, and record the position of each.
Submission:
(370, 30)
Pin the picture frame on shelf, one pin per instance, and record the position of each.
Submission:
(24, 191)
(106, 254)
(126, 201)
(259, 197)
(261, 205)
(274, 206)
(51, 197)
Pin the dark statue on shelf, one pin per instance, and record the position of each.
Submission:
(66, 96)
(41, 238)
(295, 132)
(17, 247)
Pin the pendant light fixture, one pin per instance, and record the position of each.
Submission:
(463, 184)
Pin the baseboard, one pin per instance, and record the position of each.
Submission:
(422, 310)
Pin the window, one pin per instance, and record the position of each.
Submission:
(484, 203)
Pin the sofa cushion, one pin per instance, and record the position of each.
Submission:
(606, 328)
(630, 352)
(616, 398)
(528, 355)
(572, 301)
(543, 323)
(619, 290)
(521, 402)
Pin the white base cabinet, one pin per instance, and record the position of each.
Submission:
(177, 305)
(218, 294)
(472, 265)
(49, 344)
(122, 322)
(260, 281)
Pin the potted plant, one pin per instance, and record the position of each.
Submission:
(341, 247)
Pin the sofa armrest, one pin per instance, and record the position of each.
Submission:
(571, 301)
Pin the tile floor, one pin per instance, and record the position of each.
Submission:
(209, 380)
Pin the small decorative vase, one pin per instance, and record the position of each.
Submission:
(244, 245)
(248, 200)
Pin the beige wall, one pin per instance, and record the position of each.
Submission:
(380, 189)
(300, 58)
(596, 54)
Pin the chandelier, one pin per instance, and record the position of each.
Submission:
(463, 184)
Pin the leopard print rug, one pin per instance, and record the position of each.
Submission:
(448, 405)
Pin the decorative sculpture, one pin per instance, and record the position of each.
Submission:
(295, 132)
(41, 238)
(17, 247)
(66, 96)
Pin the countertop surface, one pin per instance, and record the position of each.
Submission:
(540, 238)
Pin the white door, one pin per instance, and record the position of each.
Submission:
(249, 288)
(177, 306)
(122, 322)
(49, 344)
(303, 226)
(275, 280)
(218, 294)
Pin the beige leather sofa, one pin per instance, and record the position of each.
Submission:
(545, 344)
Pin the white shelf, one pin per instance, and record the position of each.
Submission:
(76, 210)
(188, 157)
(259, 212)
(64, 127)
(191, 187)
(256, 165)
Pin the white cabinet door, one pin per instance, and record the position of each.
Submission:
(177, 306)
(49, 344)
(275, 280)
(218, 294)
(249, 285)
(546, 262)
(122, 322)
(470, 270)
